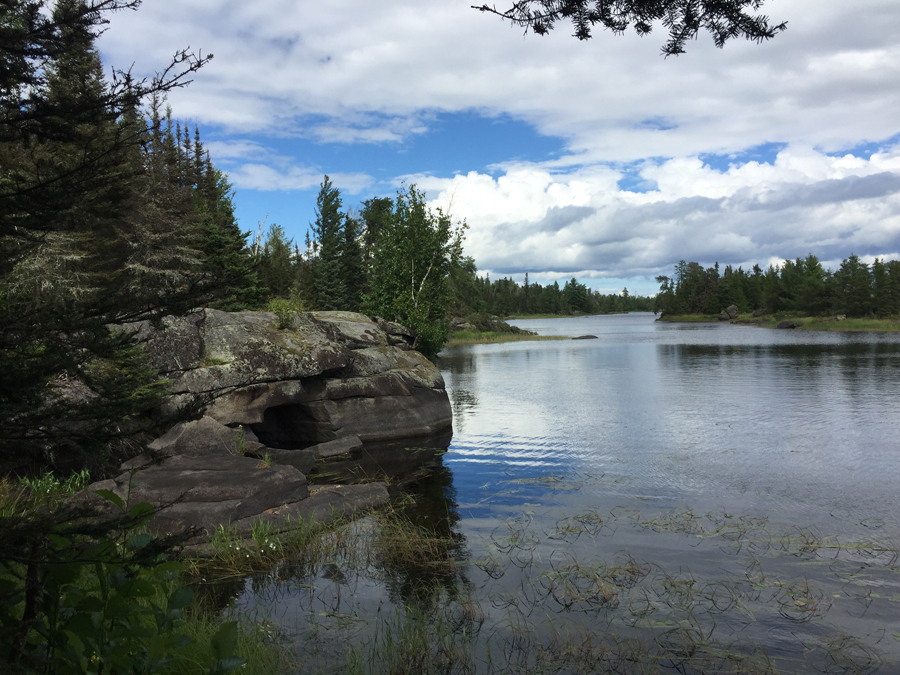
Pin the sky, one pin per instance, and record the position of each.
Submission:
(599, 160)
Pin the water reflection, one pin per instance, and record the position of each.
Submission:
(663, 499)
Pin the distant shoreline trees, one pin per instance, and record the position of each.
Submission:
(800, 285)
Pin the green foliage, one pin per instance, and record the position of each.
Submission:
(798, 286)
(330, 284)
(49, 489)
(410, 267)
(724, 19)
(82, 595)
(276, 265)
(286, 310)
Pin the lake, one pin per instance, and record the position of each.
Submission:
(665, 498)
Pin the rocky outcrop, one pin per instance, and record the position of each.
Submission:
(333, 374)
(279, 403)
(729, 313)
(586, 337)
(789, 324)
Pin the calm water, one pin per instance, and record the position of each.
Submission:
(799, 426)
(665, 498)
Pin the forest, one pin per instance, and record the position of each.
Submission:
(802, 286)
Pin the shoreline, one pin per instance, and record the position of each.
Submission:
(492, 337)
(814, 323)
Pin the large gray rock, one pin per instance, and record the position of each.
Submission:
(332, 374)
(207, 490)
(276, 402)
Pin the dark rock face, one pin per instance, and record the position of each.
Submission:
(281, 402)
(729, 313)
(789, 324)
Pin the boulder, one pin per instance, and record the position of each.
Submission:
(339, 446)
(275, 402)
(585, 337)
(723, 316)
(789, 324)
(732, 311)
(332, 374)
(204, 491)
(758, 312)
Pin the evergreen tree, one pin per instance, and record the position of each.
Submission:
(331, 289)
(276, 264)
(87, 243)
(853, 287)
(723, 19)
(352, 264)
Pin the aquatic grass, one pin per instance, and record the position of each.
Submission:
(466, 337)
(552, 605)
(690, 318)
(861, 325)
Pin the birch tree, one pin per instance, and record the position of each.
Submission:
(410, 268)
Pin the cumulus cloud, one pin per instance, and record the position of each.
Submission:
(829, 81)
(268, 178)
(561, 225)
(350, 72)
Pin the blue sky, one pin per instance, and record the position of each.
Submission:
(599, 159)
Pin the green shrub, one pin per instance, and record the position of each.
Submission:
(84, 592)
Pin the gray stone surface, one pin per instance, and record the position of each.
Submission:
(732, 311)
(205, 490)
(329, 367)
(325, 506)
(320, 390)
(586, 337)
(339, 446)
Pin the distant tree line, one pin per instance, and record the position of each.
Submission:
(801, 285)
(505, 297)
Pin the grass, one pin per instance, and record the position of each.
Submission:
(690, 318)
(465, 337)
(538, 596)
(845, 325)
(548, 316)
(821, 323)
(540, 599)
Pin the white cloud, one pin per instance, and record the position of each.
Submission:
(268, 178)
(583, 225)
(831, 80)
(355, 71)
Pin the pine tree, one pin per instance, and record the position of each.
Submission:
(81, 251)
(331, 289)
(277, 266)
(352, 270)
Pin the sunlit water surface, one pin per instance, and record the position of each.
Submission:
(686, 494)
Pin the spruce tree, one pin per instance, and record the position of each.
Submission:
(352, 270)
(277, 265)
(87, 243)
(331, 288)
